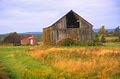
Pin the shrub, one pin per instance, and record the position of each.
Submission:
(80, 43)
(84, 43)
(98, 44)
(96, 38)
(13, 39)
(90, 43)
(71, 42)
(66, 42)
(103, 39)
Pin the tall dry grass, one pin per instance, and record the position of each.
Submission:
(92, 63)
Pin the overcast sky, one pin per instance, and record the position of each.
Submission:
(33, 15)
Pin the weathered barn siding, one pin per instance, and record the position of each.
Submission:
(69, 26)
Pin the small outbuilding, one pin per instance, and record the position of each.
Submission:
(28, 40)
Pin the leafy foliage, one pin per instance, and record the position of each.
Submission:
(117, 31)
(102, 30)
(71, 42)
(13, 38)
(96, 38)
(103, 39)
(66, 42)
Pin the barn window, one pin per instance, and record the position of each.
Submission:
(72, 20)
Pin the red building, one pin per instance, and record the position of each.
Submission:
(28, 40)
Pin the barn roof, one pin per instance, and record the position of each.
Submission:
(77, 16)
(24, 37)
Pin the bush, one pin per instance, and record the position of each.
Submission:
(66, 42)
(90, 43)
(96, 38)
(71, 42)
(13, 39)
(84, 43)
(80, 43)
(98, 44)
(103, 39)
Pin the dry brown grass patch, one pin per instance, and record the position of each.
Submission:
(105, 62)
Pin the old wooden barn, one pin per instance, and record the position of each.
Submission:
(69, 26)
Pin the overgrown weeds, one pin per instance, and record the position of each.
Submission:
(92, 63)
(61, 62)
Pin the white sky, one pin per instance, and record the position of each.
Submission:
(33, 15)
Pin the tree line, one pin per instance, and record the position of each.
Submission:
(100, 37)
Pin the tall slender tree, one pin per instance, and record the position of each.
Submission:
(102, 30)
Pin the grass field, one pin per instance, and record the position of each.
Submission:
(39, 62)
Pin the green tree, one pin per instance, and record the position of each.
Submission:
(12, 38)
(102, 30)
(117, 31)
(103, 39)
(96, 38)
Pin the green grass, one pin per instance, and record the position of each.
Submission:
(3, 74)
(113, 45)
(20, 65)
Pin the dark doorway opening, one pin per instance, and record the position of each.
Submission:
(72, 21)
